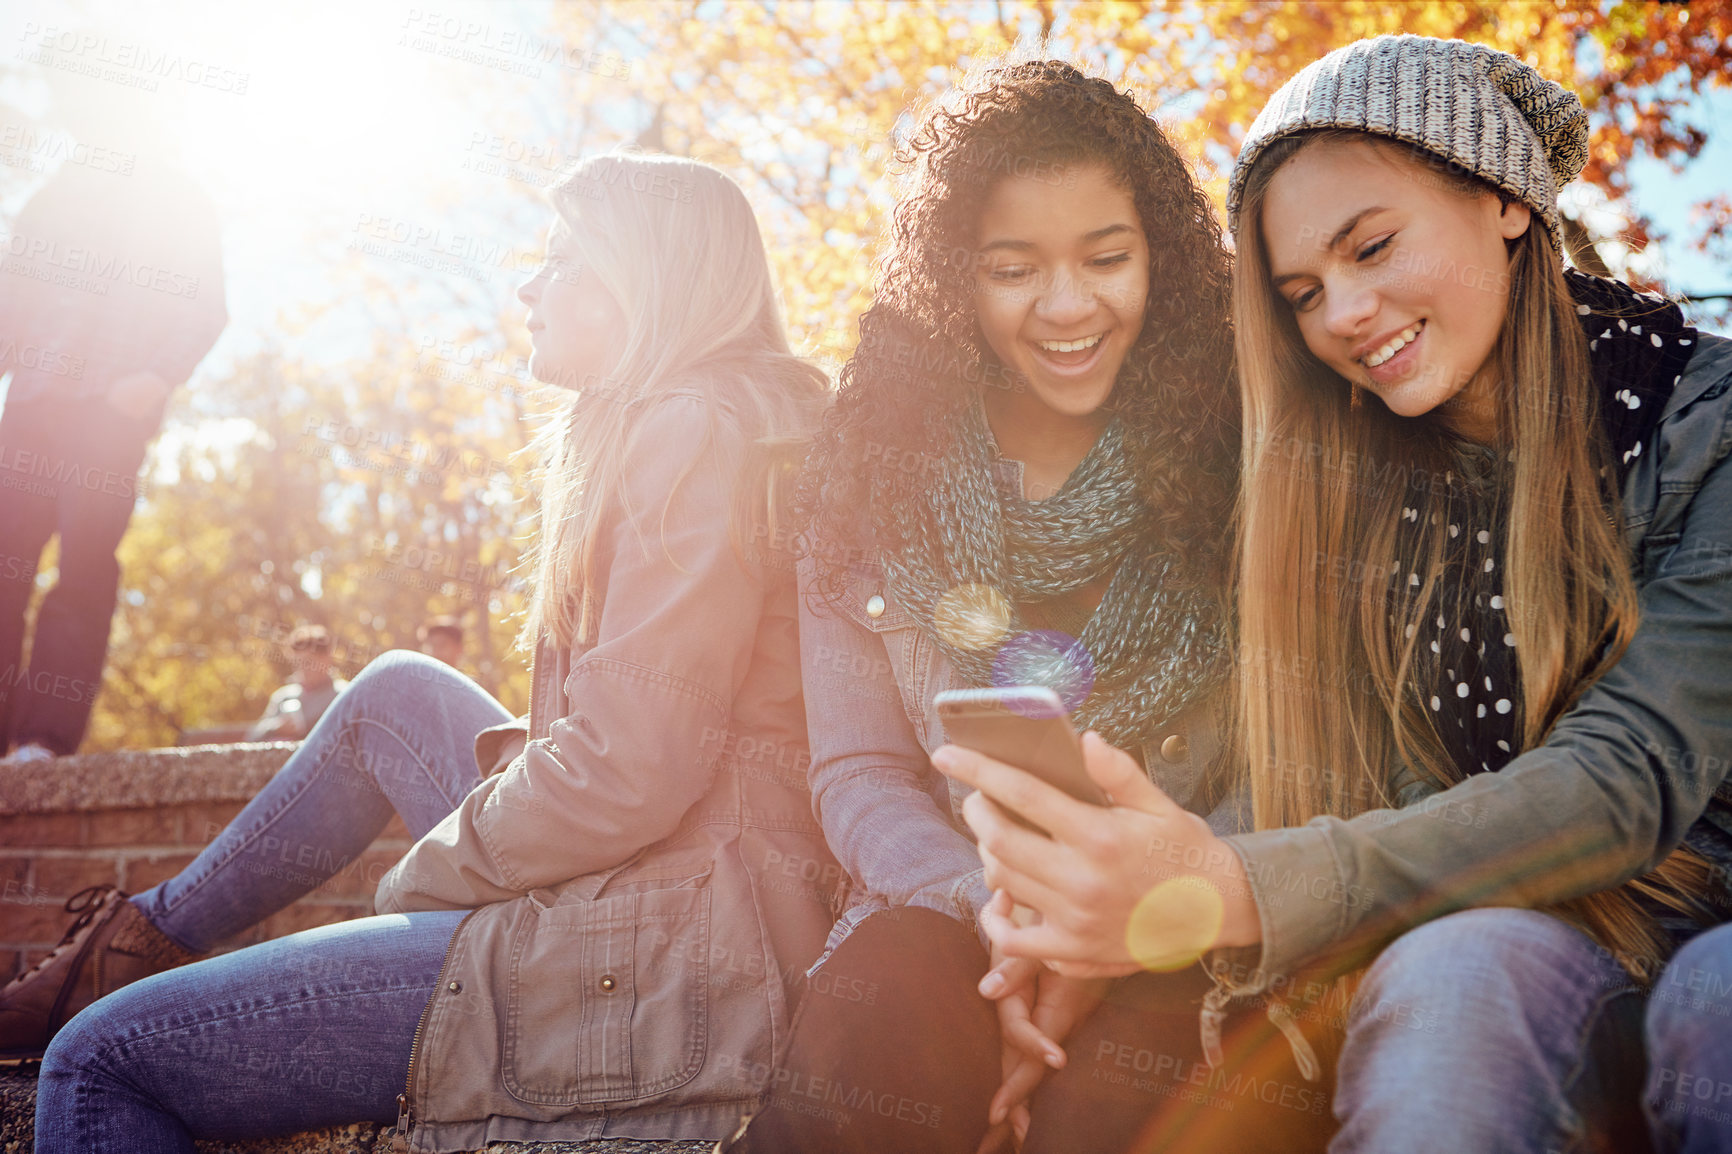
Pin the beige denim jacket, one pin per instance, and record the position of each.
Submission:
(647, 879)
(1637, 767)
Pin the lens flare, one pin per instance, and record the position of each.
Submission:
(1174, 923)
(1047, 657)
(972, 616)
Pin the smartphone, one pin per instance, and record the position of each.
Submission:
(1021, 725)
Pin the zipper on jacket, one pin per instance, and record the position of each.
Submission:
(400, 1136)
(534, 691)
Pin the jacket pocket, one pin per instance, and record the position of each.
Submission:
(908, 652)
(1656, 549)
(867, 603)
(607, 999)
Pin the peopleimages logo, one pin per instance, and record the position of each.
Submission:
(35, 149)
(438, 249)
(513, 50)
(55, 364)
(805, 1093)
(45, 258)
(18, 466)
(124, 61)
(45, 684)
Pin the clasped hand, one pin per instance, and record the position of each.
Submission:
(1109, 890)
(1142, 883)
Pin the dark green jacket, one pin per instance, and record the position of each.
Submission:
(1629, 773)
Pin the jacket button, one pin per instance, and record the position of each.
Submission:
(1175, 748)
(455, 987)
(607, 983)
(875, 606)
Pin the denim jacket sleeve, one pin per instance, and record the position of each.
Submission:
(884, 809)
(1606, 798)
(648, 701)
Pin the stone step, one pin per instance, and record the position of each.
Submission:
(18, 1118)
(132, 817)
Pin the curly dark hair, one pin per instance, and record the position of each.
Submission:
(922, 359)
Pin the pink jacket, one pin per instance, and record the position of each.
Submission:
(647, 879)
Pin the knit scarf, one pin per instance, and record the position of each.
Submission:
(1638, 346)
(976, 561)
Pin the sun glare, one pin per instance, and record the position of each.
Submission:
(291, 115)
(345, 145)
(332, 107)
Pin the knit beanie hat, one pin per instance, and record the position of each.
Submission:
(1482, 110)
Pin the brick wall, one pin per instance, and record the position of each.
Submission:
(132, 819)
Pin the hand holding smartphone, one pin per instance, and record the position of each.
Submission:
(1023, 726)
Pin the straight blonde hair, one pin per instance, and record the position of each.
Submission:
(1326, 701)
(676, 244)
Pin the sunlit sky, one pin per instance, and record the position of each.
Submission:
(314, 127)
(317, 125)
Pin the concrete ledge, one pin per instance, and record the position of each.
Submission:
(140, 814)
(18, 1127)
(141, 778)
(133, 818)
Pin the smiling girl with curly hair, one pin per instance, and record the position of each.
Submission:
(1024, 481)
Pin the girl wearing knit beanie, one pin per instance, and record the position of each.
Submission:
(1485, 613)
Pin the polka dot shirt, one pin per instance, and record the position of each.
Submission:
(1466, 670)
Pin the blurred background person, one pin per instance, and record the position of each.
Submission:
(442, 638)
(111, 293)
(297, 706)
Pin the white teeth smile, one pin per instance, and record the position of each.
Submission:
(1372, 360)
(1071, 346)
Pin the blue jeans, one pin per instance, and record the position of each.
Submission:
(307, 1030)
(1689, 1029)
(1492, 1030)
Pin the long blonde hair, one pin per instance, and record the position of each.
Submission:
(1326, 700)
(675, 243)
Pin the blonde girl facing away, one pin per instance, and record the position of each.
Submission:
(1485, 615)
(584, 941)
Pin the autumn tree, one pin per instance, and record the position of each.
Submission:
(364, 498)
(368, 490)
(804, 100)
